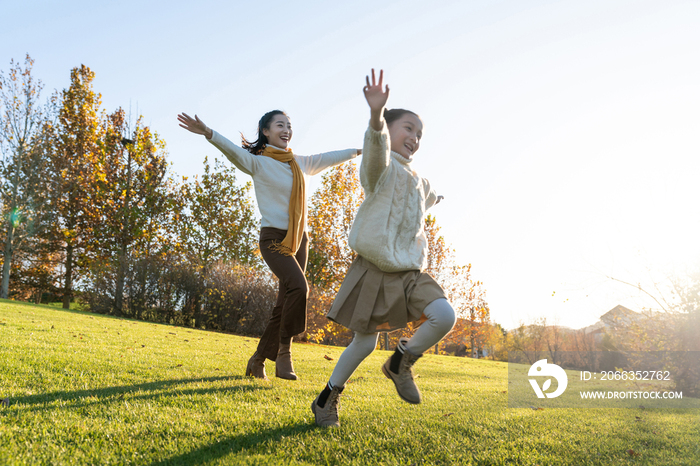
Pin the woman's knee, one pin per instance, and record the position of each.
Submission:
(297, 284)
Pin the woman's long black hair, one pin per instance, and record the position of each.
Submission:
(256, 147)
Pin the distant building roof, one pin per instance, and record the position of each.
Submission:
(619, 315)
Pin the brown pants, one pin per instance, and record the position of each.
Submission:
(289, 314)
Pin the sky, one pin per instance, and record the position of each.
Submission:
(563, 134)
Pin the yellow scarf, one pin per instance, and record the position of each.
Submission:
(297, 213)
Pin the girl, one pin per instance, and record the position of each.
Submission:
(279, 180)
(385, 288)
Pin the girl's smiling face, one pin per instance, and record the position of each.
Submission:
(405, 134)
(280, 131)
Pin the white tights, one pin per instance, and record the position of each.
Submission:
(441, 319)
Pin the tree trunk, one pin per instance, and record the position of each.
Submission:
(7, 263)
(68, 284)
(9, 248)
(121, 273)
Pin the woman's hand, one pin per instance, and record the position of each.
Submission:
(376, 99)
(194, 125)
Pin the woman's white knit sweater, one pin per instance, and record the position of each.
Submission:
(273, 180)
(388, 229)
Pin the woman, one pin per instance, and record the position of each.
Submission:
(279, 181)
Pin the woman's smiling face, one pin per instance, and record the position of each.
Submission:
(280, 131)
(405, 134)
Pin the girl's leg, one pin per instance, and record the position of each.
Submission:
(398, 368)
(441, 319)
(357, 351)
(325, 406)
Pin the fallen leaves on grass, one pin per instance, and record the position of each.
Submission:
(447, 414)
(537, 408)
(632, 453)
(327, 357)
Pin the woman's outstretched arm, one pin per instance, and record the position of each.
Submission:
(194, 125)
(241, 158)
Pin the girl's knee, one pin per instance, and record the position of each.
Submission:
(441, 314)
(365, 343)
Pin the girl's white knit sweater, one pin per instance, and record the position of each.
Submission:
(388, 229)
(272, 180)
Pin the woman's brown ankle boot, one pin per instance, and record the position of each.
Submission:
(256, 367)
(283, 365)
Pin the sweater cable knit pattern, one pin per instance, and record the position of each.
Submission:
(388, 228)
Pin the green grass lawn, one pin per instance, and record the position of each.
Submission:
(91, 389)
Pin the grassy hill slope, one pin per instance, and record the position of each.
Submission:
(91, 389)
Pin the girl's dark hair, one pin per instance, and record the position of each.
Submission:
(396, 113)
(256, 147)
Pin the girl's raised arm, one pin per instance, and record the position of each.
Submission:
(194, 125)
(376, 99)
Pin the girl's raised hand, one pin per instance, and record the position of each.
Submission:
(376, 97)
(194, 125)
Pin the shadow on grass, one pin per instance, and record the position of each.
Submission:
(236, 443)
(152, 390)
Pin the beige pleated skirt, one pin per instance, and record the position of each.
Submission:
(371, 300)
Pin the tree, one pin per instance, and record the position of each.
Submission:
(132, 191)
(466, 295)
(468, 299)
(23, 165)
(74, 160)
(673, 329)
(332, 211)
(215, 222)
